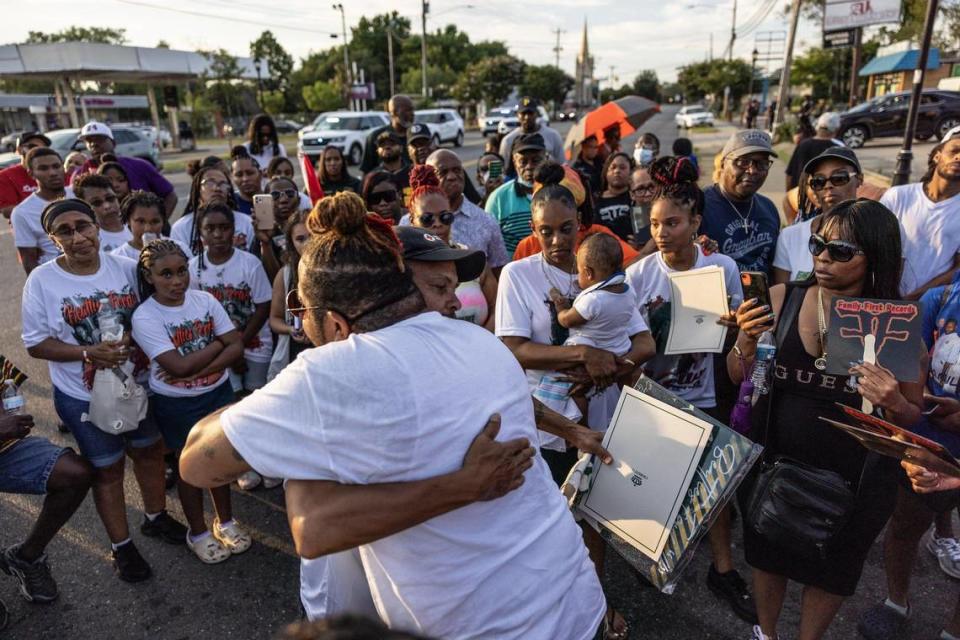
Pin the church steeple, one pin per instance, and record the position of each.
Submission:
(584, 47)
(583, 87)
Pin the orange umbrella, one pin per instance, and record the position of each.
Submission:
(628, 113)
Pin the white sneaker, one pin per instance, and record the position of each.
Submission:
(270, 483)
(208, 549)
(759, 635)
(234, 537)
(249, 481)
(947, 551)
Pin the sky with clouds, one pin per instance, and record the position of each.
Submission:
(643, 34)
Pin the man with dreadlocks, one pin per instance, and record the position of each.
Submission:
(929, 221)
(323, 421)
(211, 184)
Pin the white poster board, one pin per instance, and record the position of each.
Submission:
(849, 14)
(698, 299)
(656, 449)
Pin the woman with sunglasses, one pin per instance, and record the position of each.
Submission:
(211, 185)
(473, 301)
(291, 339)
(332, 173)
(381, 196)
(856, 253)
(831, 178)
(270, 242)
(61, 303)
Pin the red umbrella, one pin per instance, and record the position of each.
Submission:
(628, 113)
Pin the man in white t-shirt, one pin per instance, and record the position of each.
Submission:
(437, 567)
(34, 246)
(929, 215)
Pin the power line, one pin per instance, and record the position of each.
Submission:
(189, 12)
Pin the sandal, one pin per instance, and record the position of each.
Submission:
(614, 626)
(209, 549)
(232, 536)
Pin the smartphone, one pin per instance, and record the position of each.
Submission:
(495, 168)
(755, 286)
(263, 210)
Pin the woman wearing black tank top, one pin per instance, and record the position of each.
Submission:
(857, 253)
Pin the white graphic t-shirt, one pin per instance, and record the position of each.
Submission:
(112, 240)
(28, 233)
(239, 284)
(243, 233)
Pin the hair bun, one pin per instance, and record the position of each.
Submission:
(549, 172)
(670, 170)
(344, 213)
(423, 176)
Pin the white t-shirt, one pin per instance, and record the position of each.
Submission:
(266, 154)
(111, 240)
(793, 250)
(28, 233)
(689, 376)
(611, 319)
(128, 251)
(239, 284)
(58, 304)
(322, 418)
(187, 328)
(929, 231)
(524, 310)
(243, 233)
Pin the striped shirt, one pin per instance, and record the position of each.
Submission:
(512, 212)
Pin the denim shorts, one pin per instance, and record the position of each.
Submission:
(102, 449)
(26, 466)
(254, 378)
(176, 415)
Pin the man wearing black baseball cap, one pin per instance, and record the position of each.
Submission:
(393, 160)
(438, 268)
(510, 203)
(528, 113)
(420, 143)
(834, 176)
(16, 184)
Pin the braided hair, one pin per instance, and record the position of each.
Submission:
(676, 180)
(193, 203)
(196, 241)
(354, 265)
(424, 182)
(290, 255)
(550, 174)
(151, 252)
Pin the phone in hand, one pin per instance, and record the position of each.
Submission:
(495, 168)
(263, 211)
(755, 286)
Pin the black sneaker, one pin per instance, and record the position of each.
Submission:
(36, 581)
(881, 622)
(130, 565)
(731, 587)
(165, 528)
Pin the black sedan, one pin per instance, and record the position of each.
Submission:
(886, 115)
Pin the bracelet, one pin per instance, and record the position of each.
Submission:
(738, 352)
(629, 362)
(86, 358)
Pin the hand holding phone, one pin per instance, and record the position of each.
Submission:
(755, 286)
(495, 168)
(263, 212)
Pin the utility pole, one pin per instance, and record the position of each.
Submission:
(390, 57)
(905, 157)
(557, 49)
(347, 79)
(612, 77)
(711, 46)
(855, 66)
(784, 95)
(425, 5)
(733, 30)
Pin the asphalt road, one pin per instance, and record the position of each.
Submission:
(253, 595)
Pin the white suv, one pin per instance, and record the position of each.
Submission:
(694, 115)
(346, 130)
(446, 125)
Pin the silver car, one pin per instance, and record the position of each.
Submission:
(129, 141)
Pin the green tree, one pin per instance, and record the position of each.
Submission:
(322, 96)
(647, 85)
(279, 62)
(274, 102)
(102, 35)
(318, 66)
(701, 79)
(546, 82)
(490, 79)
(219, 80)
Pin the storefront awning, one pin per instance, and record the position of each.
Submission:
(900, 61)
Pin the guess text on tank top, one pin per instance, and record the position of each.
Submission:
(812, 380)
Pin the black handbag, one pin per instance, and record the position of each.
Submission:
(796, 506)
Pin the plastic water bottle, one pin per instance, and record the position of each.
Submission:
(111, 326)
(149, 237)
(13, 401)
(762, 361)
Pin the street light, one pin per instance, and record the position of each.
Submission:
(346, 55)
(256, 64)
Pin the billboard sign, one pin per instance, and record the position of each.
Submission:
(839, 39)
(849, 14)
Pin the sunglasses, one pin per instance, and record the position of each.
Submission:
(837, 179)
(289, 193)
(745, 163)
(294, 306)
(296, 309)
(445, 218)
(382, 196)
(838, 250)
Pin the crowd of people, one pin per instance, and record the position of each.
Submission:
(507, 309)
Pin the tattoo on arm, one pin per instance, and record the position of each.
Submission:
(208, 451)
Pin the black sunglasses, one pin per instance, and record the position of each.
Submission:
(445, 218)
(837, 179)
(838, 250)
(382, 196)
(290, 193)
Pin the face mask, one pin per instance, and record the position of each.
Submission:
(524, 182)
(643, 155)
(484, 176)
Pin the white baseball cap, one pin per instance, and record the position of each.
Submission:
(829, 121)
(953, 133)
(94, 128)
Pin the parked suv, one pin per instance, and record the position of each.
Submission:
(887, 116)
(346, 130)
(446, 125)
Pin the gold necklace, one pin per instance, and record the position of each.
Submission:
(821, 362)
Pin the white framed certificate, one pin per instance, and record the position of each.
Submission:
(698, 300)
(656, 450)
